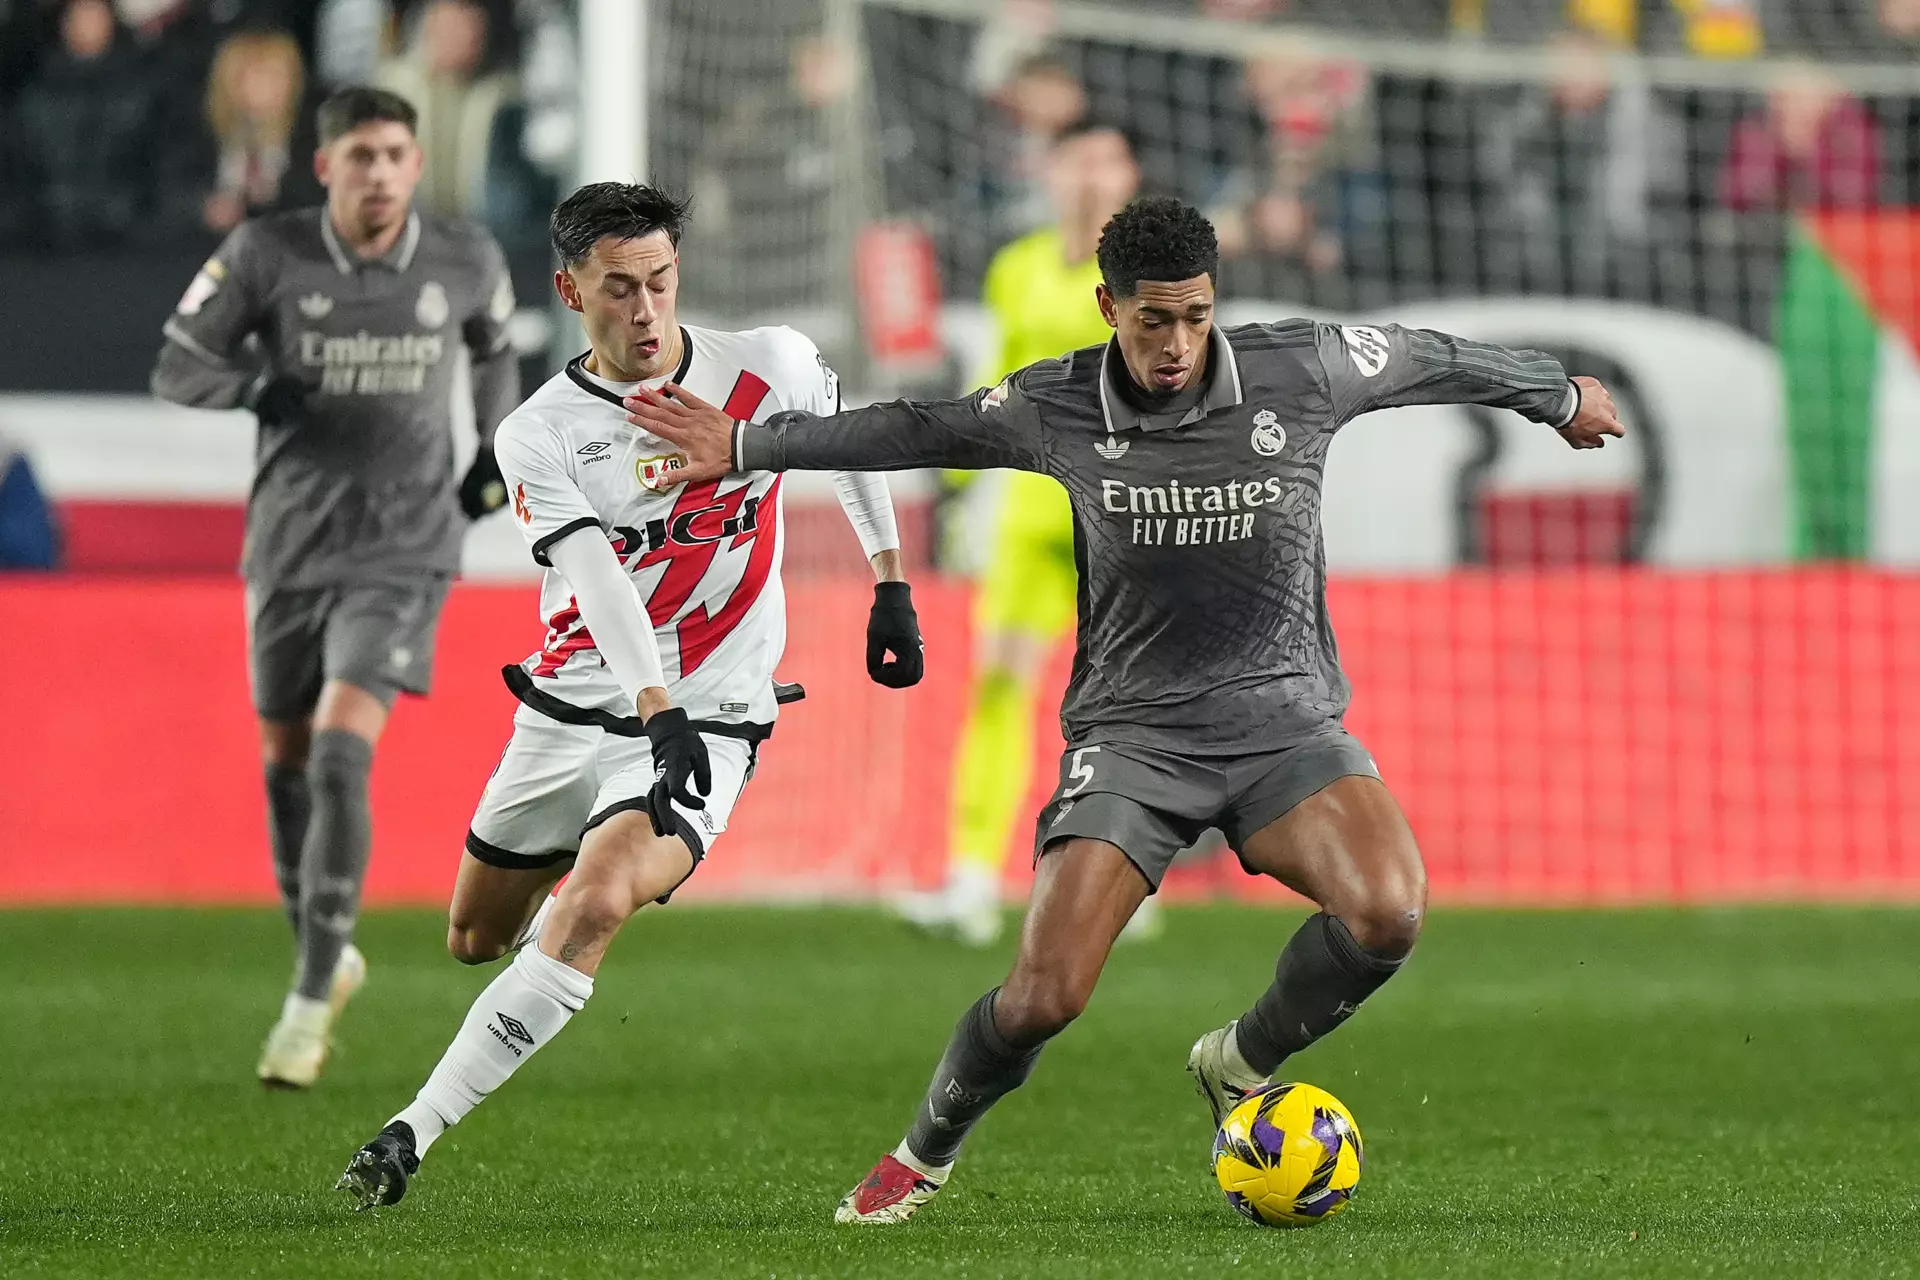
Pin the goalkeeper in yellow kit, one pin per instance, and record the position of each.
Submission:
(1040, 291)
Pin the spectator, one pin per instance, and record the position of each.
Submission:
(1309, 182)
(256, 111)
(1811, 146)
(444, 75)
(350, 39)
(1041, 97)
(1575, 169)
(85, 134)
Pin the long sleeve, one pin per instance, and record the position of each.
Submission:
(611, 608)
(869, 507)
(496, 369)
(998, 427)
(207, 361)
(1380, 367)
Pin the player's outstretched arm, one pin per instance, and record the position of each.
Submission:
(970, 434)
(1378, 367)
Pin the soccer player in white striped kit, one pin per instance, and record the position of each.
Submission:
(642, 711)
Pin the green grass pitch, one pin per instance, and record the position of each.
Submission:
(1711, 1093)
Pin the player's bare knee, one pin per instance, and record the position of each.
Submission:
(474, 945)
(1387, 917)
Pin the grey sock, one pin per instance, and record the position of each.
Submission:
(977, 1070)
(289, 802)
(1321, 978)
(333, 861)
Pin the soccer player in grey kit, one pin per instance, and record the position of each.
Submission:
(1206, 689)
(337, 327)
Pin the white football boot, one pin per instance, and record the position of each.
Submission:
(297, 1046)
(1220, 1076)
(1146, 925)
(968, 908)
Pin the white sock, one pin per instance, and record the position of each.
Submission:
(1237, 1069)
(934, 1173)
(531, 933)
(519, 1011)
(312, 1015)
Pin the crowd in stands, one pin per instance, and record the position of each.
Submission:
(1347, 185)
(151, 122)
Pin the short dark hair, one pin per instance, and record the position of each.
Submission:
(1156, 238)
(347, 109)
(1096, 124)
(624, 210)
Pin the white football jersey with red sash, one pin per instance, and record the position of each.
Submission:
(704, 558)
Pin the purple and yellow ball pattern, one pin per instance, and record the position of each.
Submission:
(1288, 1155)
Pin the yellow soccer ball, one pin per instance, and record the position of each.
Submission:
(1288, 1155)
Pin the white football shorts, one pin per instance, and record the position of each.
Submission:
(556, 782)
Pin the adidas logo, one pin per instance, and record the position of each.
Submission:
(1113, 450)
(315, 306)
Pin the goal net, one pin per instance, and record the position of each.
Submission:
(1683, 668)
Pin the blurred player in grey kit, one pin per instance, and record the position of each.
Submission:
(337, 327)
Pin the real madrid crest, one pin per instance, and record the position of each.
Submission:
(432, 310)
(1269, 440)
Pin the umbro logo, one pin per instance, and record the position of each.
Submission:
(316, 306)
(1113, 450)
(509, 1030)
(592, 447)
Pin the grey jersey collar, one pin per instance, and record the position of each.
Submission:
(1223, 391)
(398, 258)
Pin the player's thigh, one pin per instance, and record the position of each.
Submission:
(1349, 848)
(623, 865)
(525, 832)
(627, 772)
(286, 635)
(380, 636)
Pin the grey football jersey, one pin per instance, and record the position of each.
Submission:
(1203, 618)
(363, 490)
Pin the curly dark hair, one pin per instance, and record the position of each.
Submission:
(624, 210)
(1156, 238)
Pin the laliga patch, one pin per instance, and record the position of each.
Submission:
(656, 474)
(1368, 347)
(203, 286)
(998, 396)
(1269, 439)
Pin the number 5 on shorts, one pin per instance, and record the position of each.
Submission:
(1080, 771)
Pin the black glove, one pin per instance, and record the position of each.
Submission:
(280, 401)
(680, 755)
(894, 628)
(484, 490)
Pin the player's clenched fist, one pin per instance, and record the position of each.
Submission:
(893, 630)
(704, 433)
(684, 774)
(1595, 419)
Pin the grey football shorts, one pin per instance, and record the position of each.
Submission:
(1153, 803)
(375, 636)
